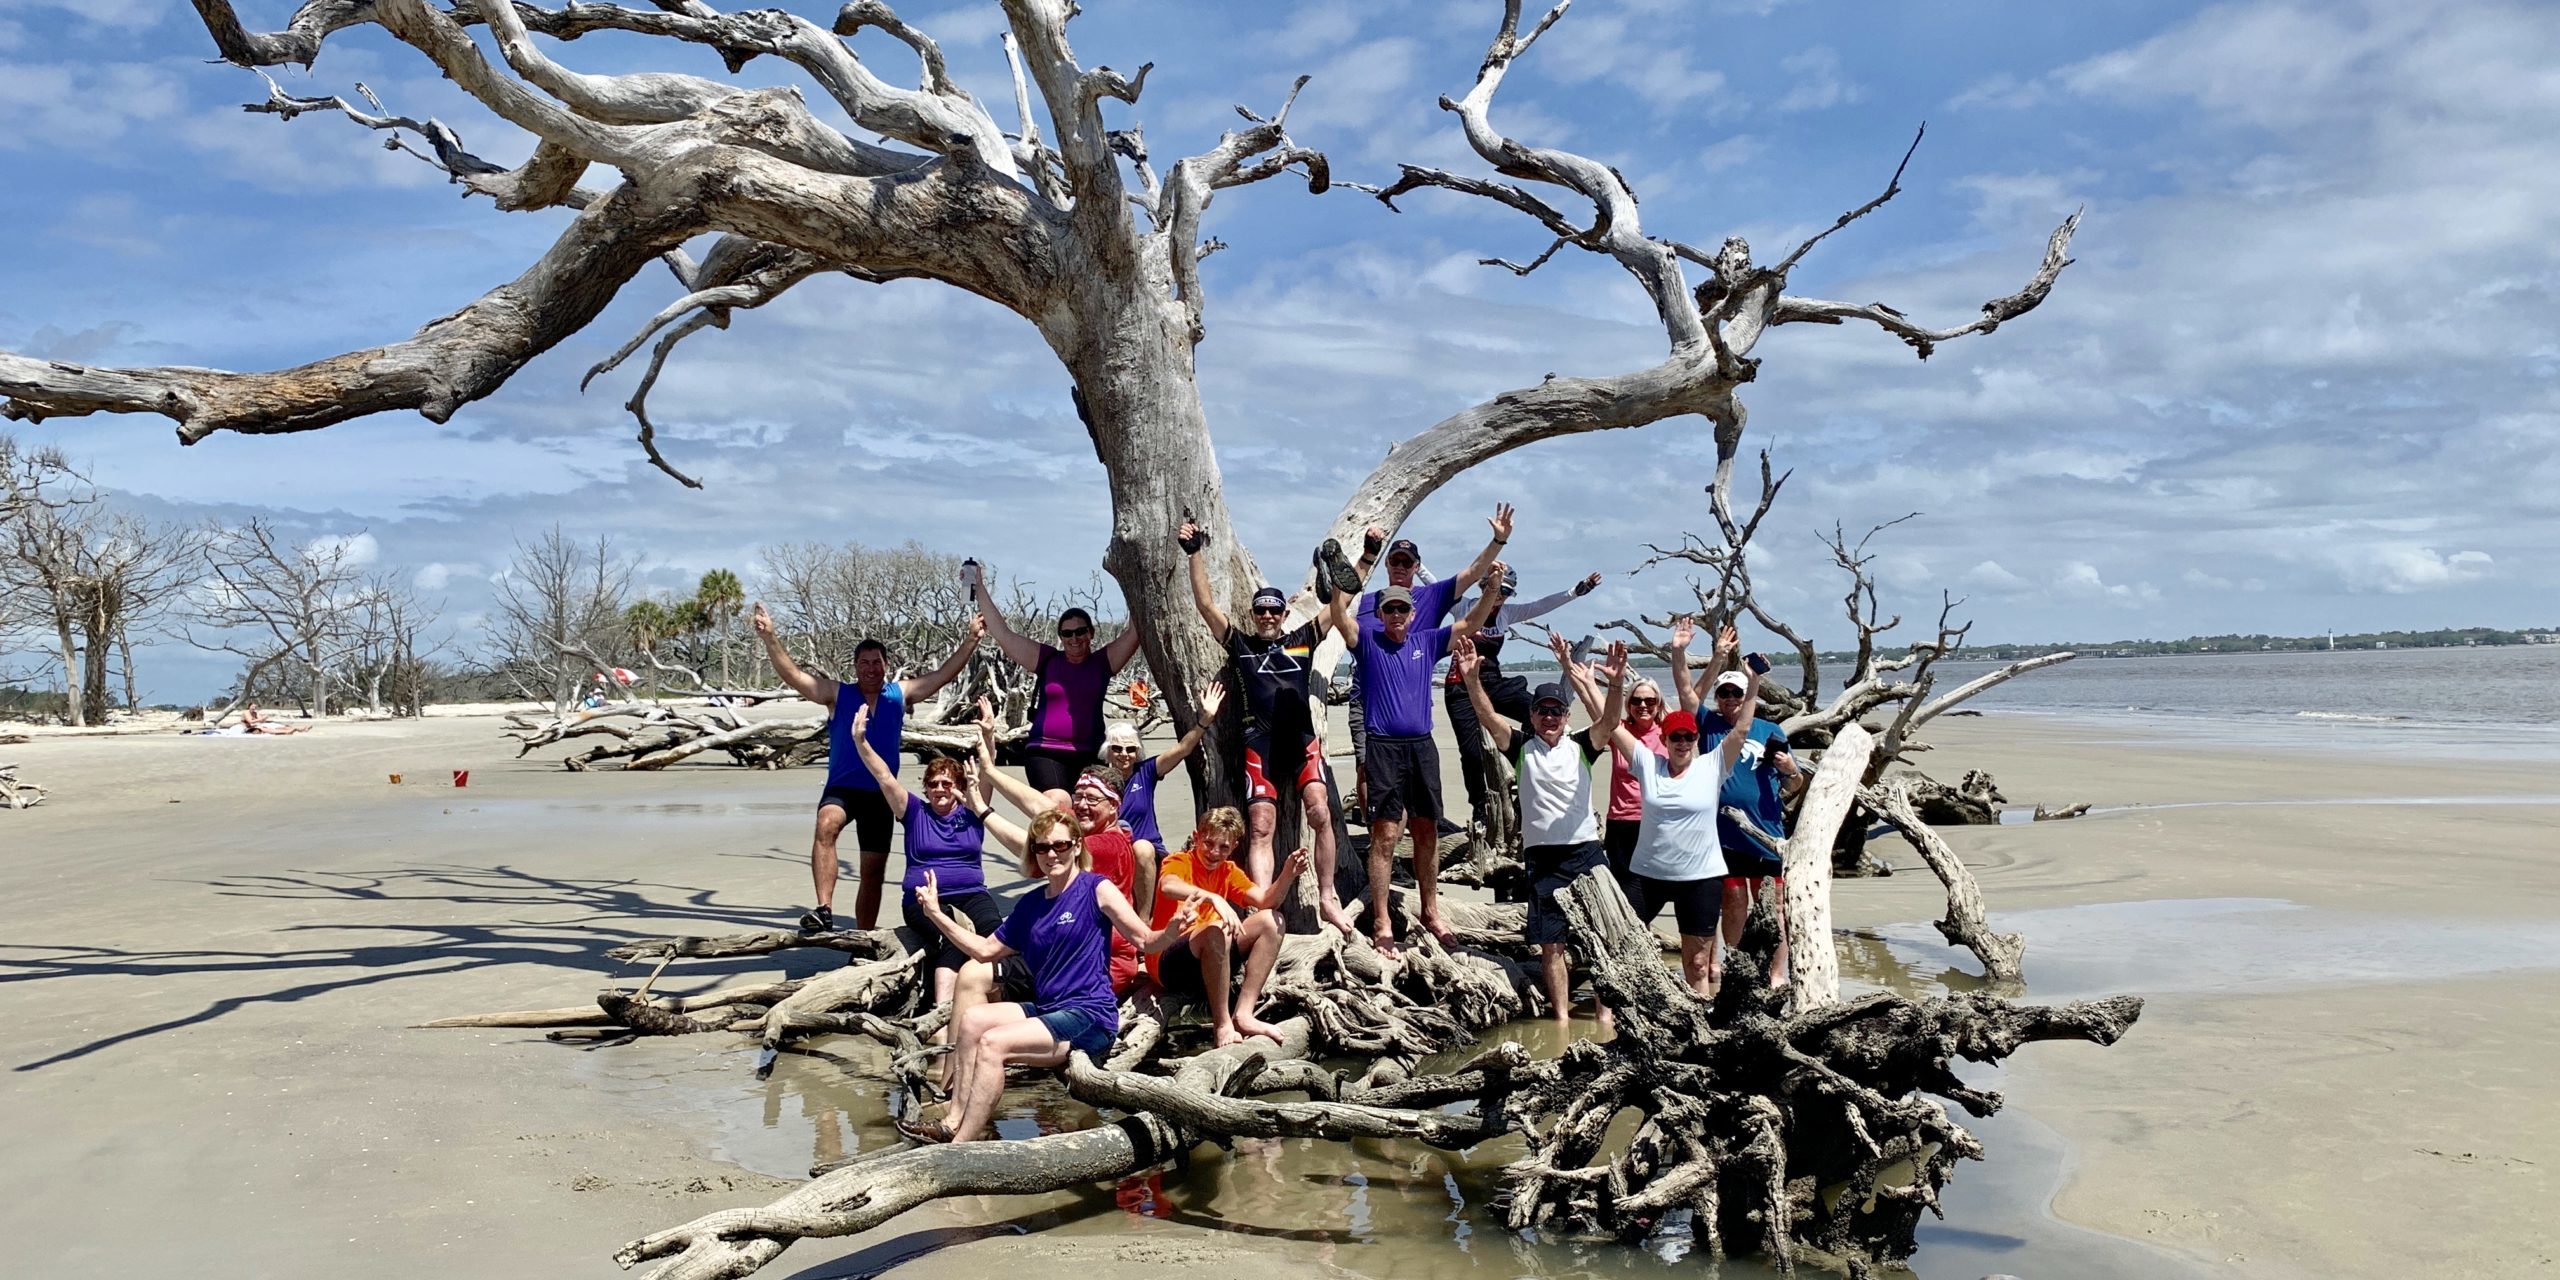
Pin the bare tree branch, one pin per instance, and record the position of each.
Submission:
(2057, 250)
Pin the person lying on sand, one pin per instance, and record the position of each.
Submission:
(256, 723)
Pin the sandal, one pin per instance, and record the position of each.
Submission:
(921, 1132)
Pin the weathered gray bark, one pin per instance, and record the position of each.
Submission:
(1746, 1115)
(16, 792)
(1965, 924)
(1048, 226)
(1813, 963)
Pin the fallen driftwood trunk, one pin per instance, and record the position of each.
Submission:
(1965, 924)
(1748, 1117)
(1972, 802)
(16, 793)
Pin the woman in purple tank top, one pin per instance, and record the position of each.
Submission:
(947, 830)
(1066, 704)
(1063, 930)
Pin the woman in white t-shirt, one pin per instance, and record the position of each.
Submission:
(1678, 861)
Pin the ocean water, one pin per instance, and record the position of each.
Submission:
(2484, 702)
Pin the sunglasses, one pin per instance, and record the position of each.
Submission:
(1055, 846)
(1268, 611)
(1547, 709)
(1679, 737)
(1722, 694)
(1077, 634)
(1121, 748)
(1398, 609)
(1402, 562)
(1644, 702)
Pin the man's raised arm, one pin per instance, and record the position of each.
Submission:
(822, 692)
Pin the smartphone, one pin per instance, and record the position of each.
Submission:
(1758, 664)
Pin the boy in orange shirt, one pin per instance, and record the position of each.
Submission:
(1205, 881)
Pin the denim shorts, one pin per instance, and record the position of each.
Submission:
(1078, 1029)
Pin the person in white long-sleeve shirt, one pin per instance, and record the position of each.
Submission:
(1510, 694)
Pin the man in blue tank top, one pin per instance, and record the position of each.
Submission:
(852, 795)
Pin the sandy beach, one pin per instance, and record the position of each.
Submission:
(212, 947)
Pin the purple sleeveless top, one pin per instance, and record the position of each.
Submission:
(1066, 712)
(950, 847)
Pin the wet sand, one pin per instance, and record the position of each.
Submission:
(210, 948)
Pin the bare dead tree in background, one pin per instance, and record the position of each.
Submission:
(1890, 698)
(49, 509)
(390, 646)
(826, 599)
(1054, 214)
(279, 605)
(131, 573)
(557, 616)
(88, 576)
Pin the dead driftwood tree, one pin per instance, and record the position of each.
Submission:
(16, 792)
(1783, 1132)
(1889, 698)
(1055, 214)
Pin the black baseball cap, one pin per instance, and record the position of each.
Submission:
(1270, 596)
(1403, 547)
(1550, 692)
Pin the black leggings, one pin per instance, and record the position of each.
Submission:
(1510, 696)
(1048, 769)
(983, 910)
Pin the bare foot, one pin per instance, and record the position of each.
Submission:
(1225, 1034)
(1333, 914)
(1431, 924)
(1250, 1025)
(1386, 945)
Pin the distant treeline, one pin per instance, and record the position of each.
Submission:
(2445, 638)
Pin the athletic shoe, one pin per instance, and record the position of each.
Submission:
(818, 920)
(1324, 581)
(1346, 578)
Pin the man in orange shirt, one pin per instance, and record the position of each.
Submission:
(1230, 914)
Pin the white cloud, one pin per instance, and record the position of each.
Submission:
(2400, 568)
(82, 106)
(127, 15)
(1314, 28)
(1739, 149)
(1628, 51)
(1990, 576)
(1818, 81)
(2080, 580)
(352, 550)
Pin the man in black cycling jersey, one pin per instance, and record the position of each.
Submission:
(1282, 749)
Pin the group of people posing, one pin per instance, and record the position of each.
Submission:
(1031, 982)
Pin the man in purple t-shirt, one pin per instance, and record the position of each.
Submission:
(1432, 601)
(1395, 663)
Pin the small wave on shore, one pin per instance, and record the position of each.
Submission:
(2349, 716)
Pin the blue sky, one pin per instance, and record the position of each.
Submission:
(2301, 377)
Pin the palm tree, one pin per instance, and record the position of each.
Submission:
(648, 621)
(722, 598)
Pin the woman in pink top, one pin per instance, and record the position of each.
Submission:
(1626, 797)
(1066, 704)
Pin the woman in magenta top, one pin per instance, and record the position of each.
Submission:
(1066, 705)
